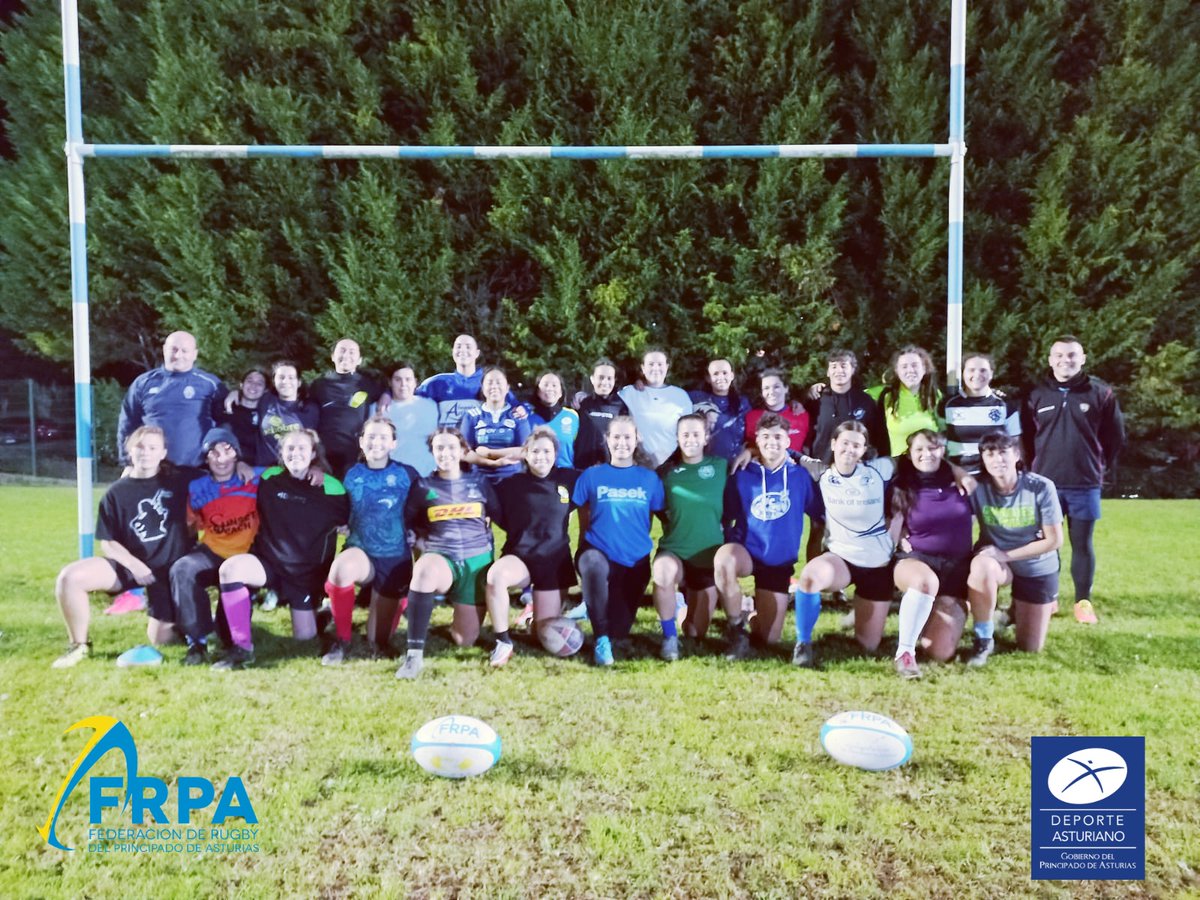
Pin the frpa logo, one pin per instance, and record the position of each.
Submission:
(144, 796)
(1087, 776)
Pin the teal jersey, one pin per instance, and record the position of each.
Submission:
(694, 502)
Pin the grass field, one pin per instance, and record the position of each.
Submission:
(702, 778)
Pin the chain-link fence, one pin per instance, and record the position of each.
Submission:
(37, 429)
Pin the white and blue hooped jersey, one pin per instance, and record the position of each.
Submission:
(856, 512)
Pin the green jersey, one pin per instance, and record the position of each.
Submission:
(694, 501)
(908, 416)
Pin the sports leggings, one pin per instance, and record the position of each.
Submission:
(1083, 555)
(612, 592)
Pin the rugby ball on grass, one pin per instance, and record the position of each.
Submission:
(456, 747)
(560, 636)
(867, 740)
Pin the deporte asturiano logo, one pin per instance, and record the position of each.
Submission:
(150, 822)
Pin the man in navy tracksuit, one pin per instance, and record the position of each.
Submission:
(180, 398)
(1073, 431)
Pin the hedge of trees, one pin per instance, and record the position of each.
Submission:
(1083, 184)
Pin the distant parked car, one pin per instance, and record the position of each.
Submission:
(14, 430)
(53, 431)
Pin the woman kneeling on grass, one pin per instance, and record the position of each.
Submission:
(377, 551)
(1020, 523)
(450, 511)
(935, 552)
(142, 528)
(535, 507)
(694, 494)
(616, 500)
(297, 536)
(854, 490)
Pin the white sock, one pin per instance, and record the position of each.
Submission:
(914, 613)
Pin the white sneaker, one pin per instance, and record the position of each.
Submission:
(501, 654)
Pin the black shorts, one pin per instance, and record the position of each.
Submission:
(1036, 589)
(772, 578)
(392, 575)
(550, 573)
(158, 595)
(872, 583)
(301, 591)
(951, 571)
(698, 577)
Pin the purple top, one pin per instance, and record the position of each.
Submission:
(939, 521)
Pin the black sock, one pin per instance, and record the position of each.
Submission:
(503, 637)
(420, 610)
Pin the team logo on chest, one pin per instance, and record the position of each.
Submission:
(706, 472)
(770, 506)
(1084, 407)
(189, 392)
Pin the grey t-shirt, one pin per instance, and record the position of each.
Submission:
(1013, 520)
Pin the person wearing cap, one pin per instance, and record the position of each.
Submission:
(222, 505)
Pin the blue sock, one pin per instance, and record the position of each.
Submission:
(668, 627)
(808, 607)
(985, 630)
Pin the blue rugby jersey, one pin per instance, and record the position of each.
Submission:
(377, 498)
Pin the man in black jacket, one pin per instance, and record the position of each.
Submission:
(1073, 431)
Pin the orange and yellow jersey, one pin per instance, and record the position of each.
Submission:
(225, 512)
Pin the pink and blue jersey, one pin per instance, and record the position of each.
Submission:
(226, 512)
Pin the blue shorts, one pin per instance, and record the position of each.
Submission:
(392, 575)
(1080, 503)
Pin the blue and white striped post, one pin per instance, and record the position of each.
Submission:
(359, 151)
(79, 294)
(954, 252)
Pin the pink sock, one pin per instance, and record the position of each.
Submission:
(342, 601)
(235, 600)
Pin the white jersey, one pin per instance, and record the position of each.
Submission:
(656, 412)
(856, 514)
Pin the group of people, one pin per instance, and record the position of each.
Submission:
(892, 480)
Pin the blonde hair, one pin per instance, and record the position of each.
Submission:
(142, 431)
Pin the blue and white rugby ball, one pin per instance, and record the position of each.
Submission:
(867, 740)
(456, 747)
